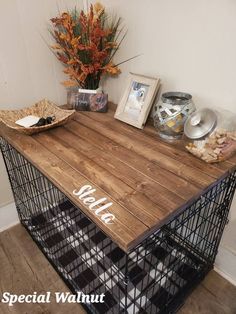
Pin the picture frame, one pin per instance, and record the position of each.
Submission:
(137, 101)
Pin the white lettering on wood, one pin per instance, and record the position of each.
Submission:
(84, 195)
(89, 200)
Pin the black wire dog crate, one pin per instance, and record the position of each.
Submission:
(155, 277)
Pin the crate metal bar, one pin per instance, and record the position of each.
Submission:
(154, 277)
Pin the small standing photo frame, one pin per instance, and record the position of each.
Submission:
(137, 100)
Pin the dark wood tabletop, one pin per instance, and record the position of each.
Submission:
(143, 181)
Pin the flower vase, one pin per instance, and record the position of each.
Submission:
(87, 99)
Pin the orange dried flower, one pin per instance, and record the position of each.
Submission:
(86, 44)
(98, 8)
(69, 83)
(110, 68)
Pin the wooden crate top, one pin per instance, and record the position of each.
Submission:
(147, 180)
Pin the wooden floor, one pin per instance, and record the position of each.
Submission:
(24, 269)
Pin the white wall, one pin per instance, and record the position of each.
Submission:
(8, 216)
(190, 44)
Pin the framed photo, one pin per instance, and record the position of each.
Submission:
(137, 100)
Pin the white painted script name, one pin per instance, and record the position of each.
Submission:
(85, 193)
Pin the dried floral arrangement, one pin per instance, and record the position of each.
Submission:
(86, 44)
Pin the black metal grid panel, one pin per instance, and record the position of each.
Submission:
(155, 277)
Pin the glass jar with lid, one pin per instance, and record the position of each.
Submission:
(170, 114)
(211, 134)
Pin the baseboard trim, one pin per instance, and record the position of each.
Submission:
(225, 264)
(226, 276)
(8, 216)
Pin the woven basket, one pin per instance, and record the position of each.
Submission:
(43, 108)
